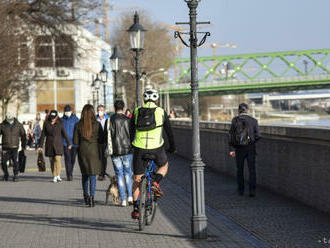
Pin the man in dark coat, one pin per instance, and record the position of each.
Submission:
(54, 131)
(69, 120)
(243, 135)
(11, 131)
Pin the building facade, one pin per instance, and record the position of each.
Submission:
(63, 74)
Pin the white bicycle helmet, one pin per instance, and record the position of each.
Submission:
(150, 95)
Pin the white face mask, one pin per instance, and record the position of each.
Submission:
(68, 114)
(101, 113)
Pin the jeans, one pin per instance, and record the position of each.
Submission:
(123, 169)
(92, 184)
(69, 159)
(7, 155)
(250, 156)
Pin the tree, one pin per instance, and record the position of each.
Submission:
(158, 51)
(21, 21)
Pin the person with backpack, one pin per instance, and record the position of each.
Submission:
(147, 125)
(243, 135)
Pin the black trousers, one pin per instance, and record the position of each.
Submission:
(10, 155)
(69, 159)
(104, 160)
(250, 156)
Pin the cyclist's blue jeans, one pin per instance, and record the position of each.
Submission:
(92, 184)
(123, 169)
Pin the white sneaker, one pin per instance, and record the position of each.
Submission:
(59, 179)
(124, 203)
(55, 180)
(130, 200)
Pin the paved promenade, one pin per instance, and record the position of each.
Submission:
(35, 212)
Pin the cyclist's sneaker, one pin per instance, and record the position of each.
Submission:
(135, 214)
(155, 188)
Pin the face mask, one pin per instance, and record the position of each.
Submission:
(11, 121)
(68, 114)
(101, 113)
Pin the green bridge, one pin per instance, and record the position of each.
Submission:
(260, 72)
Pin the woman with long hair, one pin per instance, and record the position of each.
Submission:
(88, 135)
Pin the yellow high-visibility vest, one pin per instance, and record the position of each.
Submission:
(151, 139)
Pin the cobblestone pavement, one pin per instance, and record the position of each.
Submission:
(35, 212)
(275, 220)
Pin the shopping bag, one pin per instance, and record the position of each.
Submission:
(41, 162)
(21, 161)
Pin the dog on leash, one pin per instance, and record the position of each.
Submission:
(112, 190)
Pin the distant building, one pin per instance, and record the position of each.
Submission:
(62, 74)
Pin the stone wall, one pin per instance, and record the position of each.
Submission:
(292, 161)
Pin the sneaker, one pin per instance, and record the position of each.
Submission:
(130, 200)
(124, 203)
(59, 179)
(55, 180)
(15, 179)
(155, 188)
(135, 214)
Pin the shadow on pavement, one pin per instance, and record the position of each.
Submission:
(91, 224)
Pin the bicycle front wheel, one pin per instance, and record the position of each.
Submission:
(142, 203)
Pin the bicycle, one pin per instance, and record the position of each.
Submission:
(148, 200)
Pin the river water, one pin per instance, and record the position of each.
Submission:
(322, 122)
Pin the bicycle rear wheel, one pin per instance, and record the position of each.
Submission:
(151, 210)
(142, 203)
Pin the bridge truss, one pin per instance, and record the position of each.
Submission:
(279, 71)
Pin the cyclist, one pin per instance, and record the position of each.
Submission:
(147, 125)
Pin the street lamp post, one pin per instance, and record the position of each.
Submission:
(198, 219)
(95, 89)
(104, 79)
(114, 62)
(136, 32)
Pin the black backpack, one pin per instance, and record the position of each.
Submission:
(240, 132)
(146, 119)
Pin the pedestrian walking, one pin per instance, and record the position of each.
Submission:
(119, 141)
(101, 118)
(69, 121)
(53, 131)
(89, 136)
(37, 126)
(12, 132)
(243, 135)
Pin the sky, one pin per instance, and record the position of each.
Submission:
(253, 25)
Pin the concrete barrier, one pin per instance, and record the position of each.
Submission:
(291, 160)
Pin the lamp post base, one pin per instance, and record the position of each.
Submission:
(199, 227)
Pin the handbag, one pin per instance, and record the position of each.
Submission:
(41, 162)
(21, 161)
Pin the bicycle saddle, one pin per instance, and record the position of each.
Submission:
(148, 157)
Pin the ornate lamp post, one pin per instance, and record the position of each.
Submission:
(95, 89)
(136, 32)
(198, 219)
(114, 63)
(104, 79)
